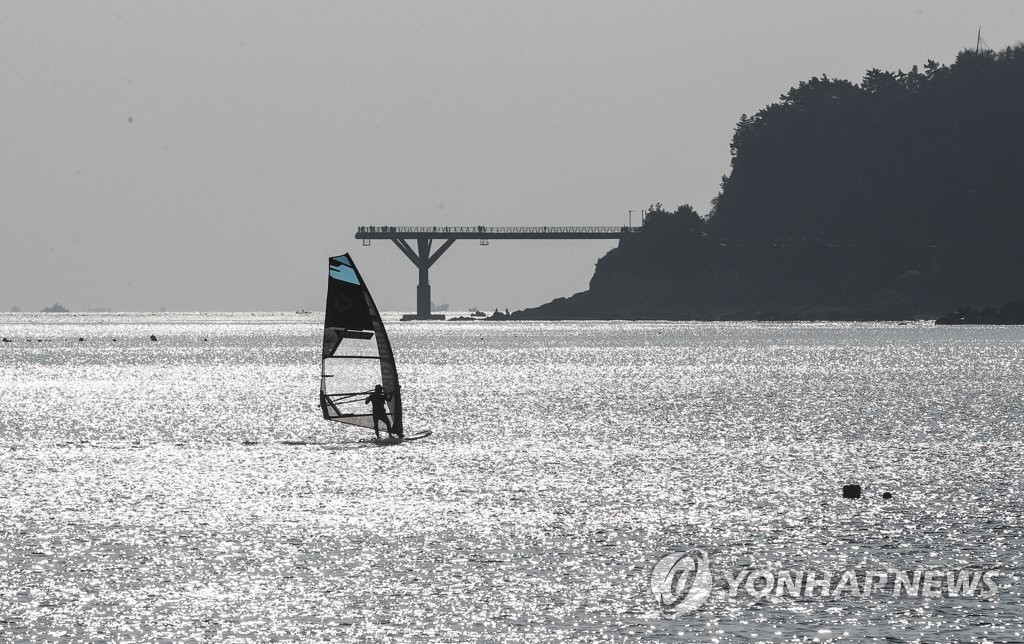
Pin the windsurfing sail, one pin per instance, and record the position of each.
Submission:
(357, 354)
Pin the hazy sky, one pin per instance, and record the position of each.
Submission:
(211, 155)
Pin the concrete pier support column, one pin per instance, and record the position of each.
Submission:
(423, 288)
(423, 260)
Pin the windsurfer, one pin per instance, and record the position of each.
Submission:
(380, 411)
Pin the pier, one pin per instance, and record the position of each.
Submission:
(423, 255)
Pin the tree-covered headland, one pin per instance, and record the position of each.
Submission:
(898, 197)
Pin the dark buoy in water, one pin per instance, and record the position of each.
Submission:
(851, 491)
(152, 338)
(6, 340)
(81, 339)
(204, 339)
(887, 495)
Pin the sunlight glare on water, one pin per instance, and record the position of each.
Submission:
(146, 491)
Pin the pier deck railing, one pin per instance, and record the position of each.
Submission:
(494, 232)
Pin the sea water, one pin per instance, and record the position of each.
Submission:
(148, 493)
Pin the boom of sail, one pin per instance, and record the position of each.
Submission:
(357, 354)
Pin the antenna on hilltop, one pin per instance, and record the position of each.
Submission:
(981, 45)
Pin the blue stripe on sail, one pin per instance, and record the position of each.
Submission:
(345, 274)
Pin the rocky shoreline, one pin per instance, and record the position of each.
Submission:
(1009, 313)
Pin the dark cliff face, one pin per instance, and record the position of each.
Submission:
(692, 277)
(901, 197)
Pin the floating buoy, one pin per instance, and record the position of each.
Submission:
(6, 340)
(152, 338)
(887, 495)
(851, 491)
(81, 339)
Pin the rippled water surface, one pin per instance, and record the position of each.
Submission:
(146, 492)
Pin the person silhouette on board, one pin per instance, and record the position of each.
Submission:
(380, 410)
